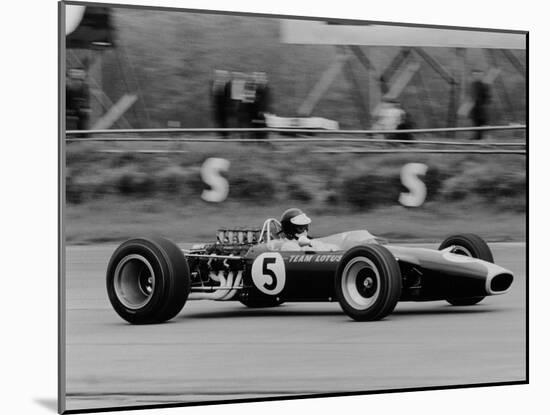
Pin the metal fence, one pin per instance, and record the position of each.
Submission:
(308, 136)
(293, 131)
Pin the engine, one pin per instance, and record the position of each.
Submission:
(217, 268)
(238, 236)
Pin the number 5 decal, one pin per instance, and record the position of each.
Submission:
(268, 273)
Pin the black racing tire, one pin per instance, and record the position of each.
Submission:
(471, 245)
(258, 300)
(148, 280)
(368, 282)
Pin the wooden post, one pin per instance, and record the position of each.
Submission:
(322, 85)
(447, 76)
(395, 65)
(500, 91)
(428, 101)
(360, 102)
(362, 57)
(115, 112)
(514, 61)
(451, 114)
(95, 79)
(440, 69)
(401, 80)
(368, 97)
(462, 74)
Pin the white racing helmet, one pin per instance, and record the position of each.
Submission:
(294, 222)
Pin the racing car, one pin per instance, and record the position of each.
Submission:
(149, 279)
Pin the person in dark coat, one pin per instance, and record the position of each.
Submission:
(221, 99)
(78, 99)
(261, 102)
(481, 96)
(246, 105)
(406, 123)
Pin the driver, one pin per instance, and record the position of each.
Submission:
(295, 225)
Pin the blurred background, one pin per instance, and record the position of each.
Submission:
(171, 71)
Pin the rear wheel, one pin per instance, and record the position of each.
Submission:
(368, 282)
(470, 245)
(148, 280)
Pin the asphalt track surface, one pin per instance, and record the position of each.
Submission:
(222, 350)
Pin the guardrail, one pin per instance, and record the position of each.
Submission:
(290, 130)
(292, 140)
(473, 147)
(337, 151)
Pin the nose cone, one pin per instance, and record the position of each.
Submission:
(498, 280)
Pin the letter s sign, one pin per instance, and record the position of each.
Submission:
(210, 174)
(417, 188)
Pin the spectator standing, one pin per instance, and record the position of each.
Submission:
(406, 123)
(481, 96)
(221, 99)
(261, 102)
(247, 104)
(388, 115)
(78, 98)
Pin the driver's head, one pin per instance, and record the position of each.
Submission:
(294, 223)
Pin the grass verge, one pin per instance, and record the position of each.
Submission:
(116, 219)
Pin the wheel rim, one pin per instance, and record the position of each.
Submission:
(360, 283)
(134, 281)
(460, 250)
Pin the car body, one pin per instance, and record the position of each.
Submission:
(150, 279)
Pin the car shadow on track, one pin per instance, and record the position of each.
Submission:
(282, 312)
(447, 309)
(244, 312)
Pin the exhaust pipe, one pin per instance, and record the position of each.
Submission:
(236, 287)
(220, 292)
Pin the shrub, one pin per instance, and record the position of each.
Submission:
(73, 192)
(434, 180)
(297, 191)
(247, 185)
(171, 179)
(306, 187)
(179, 181)
(497, 187)
(135, 183)
(369, 190)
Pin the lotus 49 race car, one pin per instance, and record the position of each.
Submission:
(149, 280)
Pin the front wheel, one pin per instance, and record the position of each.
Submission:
(368, 282)
(470, 245)
(148, 280)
